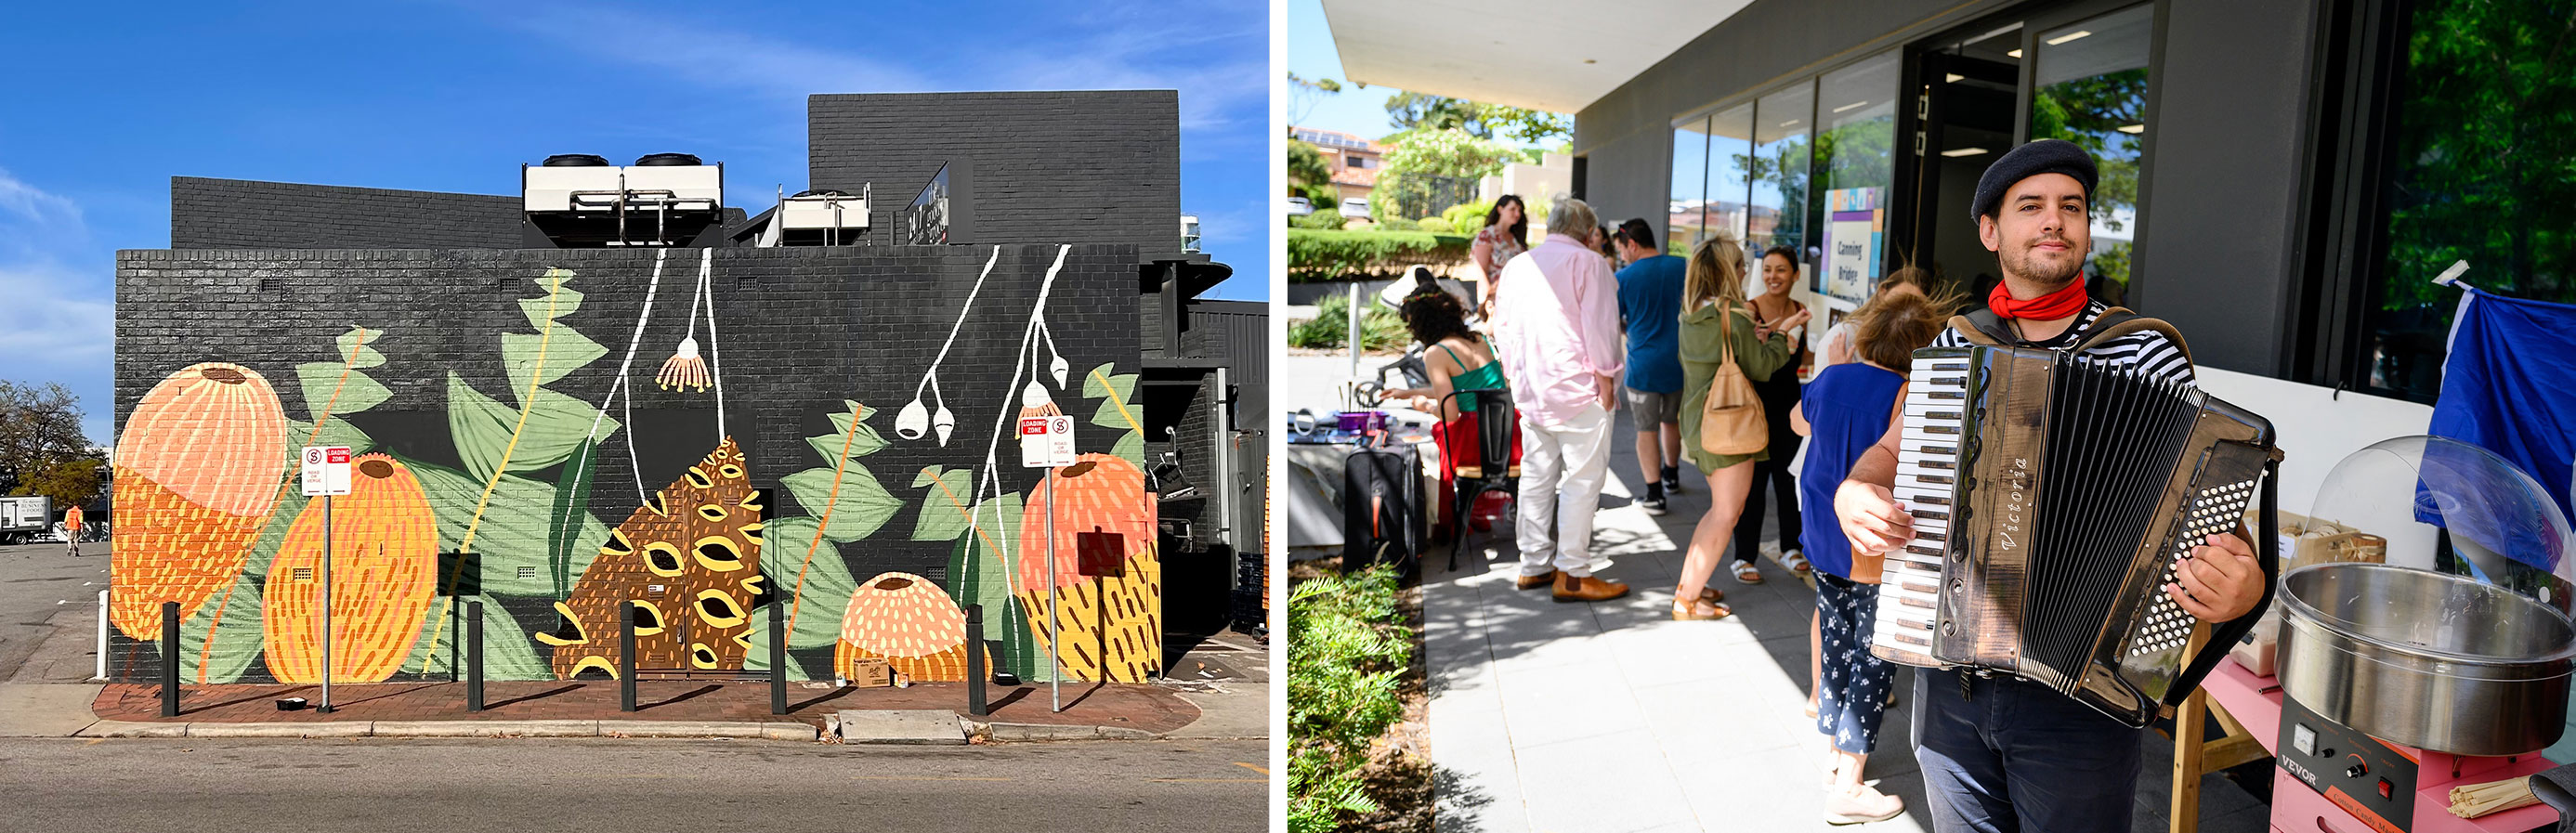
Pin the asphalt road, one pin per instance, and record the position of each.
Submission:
(622, 786)
(38, 581)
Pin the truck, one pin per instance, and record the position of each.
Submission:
(25, 519)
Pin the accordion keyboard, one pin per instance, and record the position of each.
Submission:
(1927, 468)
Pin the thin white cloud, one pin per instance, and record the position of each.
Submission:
(60, 322)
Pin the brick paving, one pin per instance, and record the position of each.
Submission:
(1149, 708)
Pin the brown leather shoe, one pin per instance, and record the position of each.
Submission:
(1534, 582)
(1574, 588)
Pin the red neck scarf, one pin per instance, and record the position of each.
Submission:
(2050, 307)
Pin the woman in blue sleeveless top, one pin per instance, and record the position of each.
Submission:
(1844, 411)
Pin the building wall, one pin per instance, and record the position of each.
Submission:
(2230, 106)
(248, 214)
(1077, 167)
(870, 533)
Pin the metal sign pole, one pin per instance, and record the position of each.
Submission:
(326, 603)
(1055, 642)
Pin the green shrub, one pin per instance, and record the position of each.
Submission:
(1467, 218)
(1324, 219)
(1316, 254)
(1380, 328)
(1346, 658)
(1435, 225)
(1397, 224)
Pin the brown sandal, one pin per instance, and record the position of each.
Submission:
(1691, 612)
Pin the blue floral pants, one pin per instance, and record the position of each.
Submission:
(1852, 698)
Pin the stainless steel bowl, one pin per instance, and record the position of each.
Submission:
(2424, 659)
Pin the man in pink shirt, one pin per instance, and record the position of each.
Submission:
(1556, 331)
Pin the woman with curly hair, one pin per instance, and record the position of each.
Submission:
(1457, 359)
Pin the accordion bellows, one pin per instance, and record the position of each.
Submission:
(2053, 498)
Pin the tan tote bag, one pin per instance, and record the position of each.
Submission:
(1731, 421)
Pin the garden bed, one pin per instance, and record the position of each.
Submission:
(1359, 728)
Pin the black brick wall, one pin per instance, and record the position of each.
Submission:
(1080, 167)
(801, 330)
(248, 214)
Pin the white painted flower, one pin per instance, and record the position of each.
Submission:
(944, 422)
(913, 420)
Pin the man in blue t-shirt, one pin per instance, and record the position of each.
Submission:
(1650, 305)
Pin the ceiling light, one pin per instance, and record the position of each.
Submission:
(1963, 152)
(1789, 123)
(1951, 77)
(2133, 129)
(2079, 33)
(2013, 54)
(1852, 106)
(1590, 61)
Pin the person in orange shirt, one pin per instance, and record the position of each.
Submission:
(72, 530)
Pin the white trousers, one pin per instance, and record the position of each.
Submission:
(1561, 473)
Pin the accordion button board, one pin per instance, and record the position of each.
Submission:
(2052, 499)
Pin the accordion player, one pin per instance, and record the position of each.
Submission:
(2052, 499)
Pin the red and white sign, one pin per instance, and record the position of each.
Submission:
(326, 470)
(1046, 442)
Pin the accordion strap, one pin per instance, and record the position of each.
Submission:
(1984, 327)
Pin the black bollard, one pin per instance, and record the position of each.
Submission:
(626, 657)
(975, 660)
(777, 658)
(474, 656)
(169, 659)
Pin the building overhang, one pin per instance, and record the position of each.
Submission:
(1516, 52)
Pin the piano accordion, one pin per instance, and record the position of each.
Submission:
(2053, 498)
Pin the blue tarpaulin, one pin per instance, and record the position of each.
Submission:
(2509, 386)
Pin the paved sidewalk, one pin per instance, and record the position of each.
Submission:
(1612, 717)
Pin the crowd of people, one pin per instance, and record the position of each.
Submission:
(1590, 319)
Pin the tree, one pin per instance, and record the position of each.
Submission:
(39, 428)
(1420, 111)
(70, 481)
(1309, 175)
(1425, 164)
(1305, 93)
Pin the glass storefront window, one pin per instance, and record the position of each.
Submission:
(1855, 158)
(1730, 158)
(2483, 169)
(1686, 222)
(2090, 88)
(1782, 122)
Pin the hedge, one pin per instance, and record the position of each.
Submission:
(1318, 255)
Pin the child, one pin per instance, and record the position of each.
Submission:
(1845, 411)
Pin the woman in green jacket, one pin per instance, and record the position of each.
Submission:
(1714, 314)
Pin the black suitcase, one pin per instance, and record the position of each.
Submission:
(1382, 509)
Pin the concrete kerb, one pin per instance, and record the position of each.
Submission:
(1049, 732)
(799, 732)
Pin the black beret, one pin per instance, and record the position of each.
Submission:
(2046, 156)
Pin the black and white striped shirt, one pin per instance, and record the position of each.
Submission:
(2152, 353)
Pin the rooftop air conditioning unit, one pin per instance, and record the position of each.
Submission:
(578, 200)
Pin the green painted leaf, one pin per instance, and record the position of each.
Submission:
(560, 299)
(1131, 446)
(564, 351)
(508, 652)
(334, 432)
(863, 443)
(756, 657)
(859, 507)
(357, 392)
(572, 500)
(357, 339)
(236, 640)
(517, 528)
(1103, 380)
(290, 503)
(816, 589)
(943, 508)
(482, 428)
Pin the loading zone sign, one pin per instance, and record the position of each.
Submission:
(1046, 441)
(326, 470)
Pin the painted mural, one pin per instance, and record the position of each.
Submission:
(212, 518)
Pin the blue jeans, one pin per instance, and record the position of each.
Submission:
(2009, 756)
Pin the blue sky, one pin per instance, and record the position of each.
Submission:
(108, 101)
(1359, 112)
